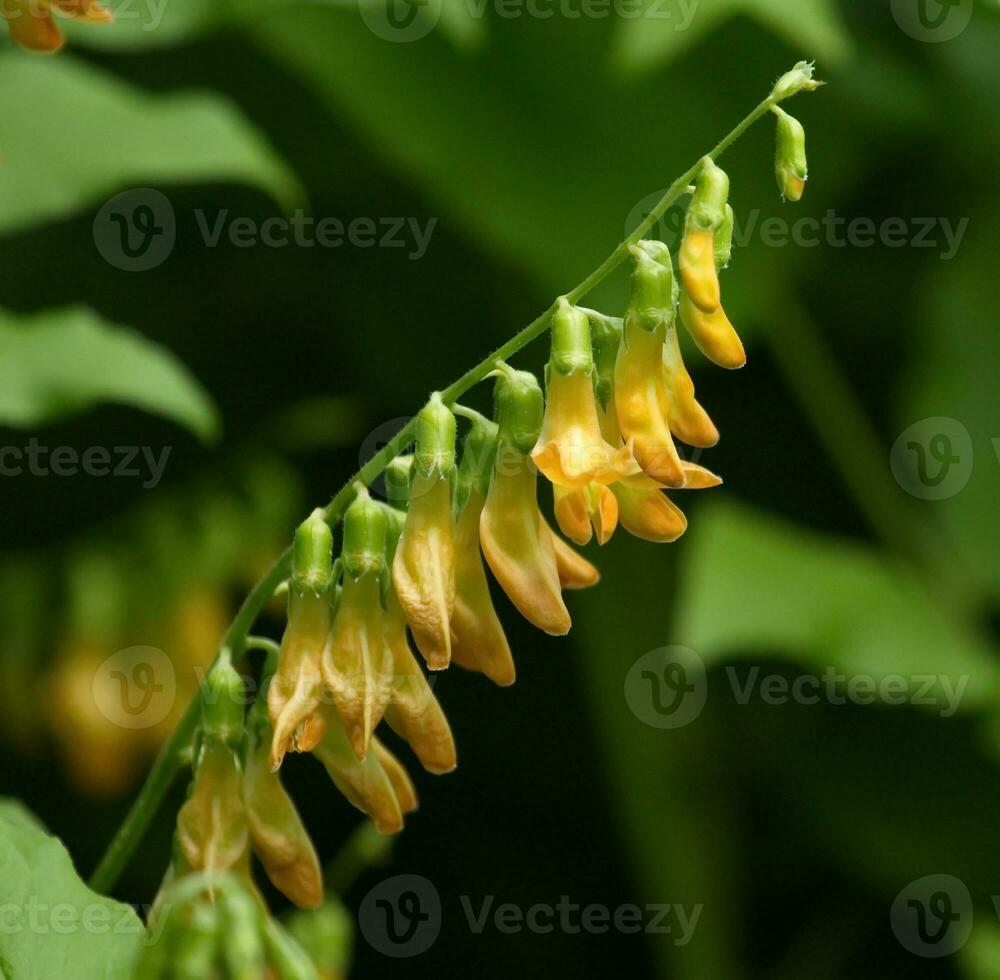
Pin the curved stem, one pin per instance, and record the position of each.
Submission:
(167, 763)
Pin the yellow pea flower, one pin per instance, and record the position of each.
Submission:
(688, 420)
(296, 689)
(276, 831)
(646, 512)
(582, 512)
(714, 334)
(705, 216)
(423, 571)
(33, 27)
(357, 662)
(640, 394)
(515, 539)
(570, 450)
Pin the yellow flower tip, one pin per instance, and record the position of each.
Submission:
(699, 276)
(310, 733)
(399, 778)
(423, 572)
(689, 422)
(571, 450)
(794, 188)
(519, 550)
(603, 513)
(699, 478)
(647, 513)
(575, 572)
(714, 334)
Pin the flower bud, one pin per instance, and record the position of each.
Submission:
(223, 698)
(799, 79)
(312, 556)
(790, 166)
(706, 214)
(519, 408)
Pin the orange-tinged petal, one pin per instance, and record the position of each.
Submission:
(571, 450)
(478, 641)
(279, 838)
(646, 512)
(423, 571)
(364, 782)
(32, 25)
(296, 688)
(357, 661)
(688, 420)
(699, 478)
(402, 785)
(572, 510)
(699, 276)
(643, 407)
(603, 512)
(714, 334)
(518, 547)
(575, 572)
(414, 712)
(212, 824)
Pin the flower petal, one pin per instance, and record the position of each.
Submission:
(714, 334)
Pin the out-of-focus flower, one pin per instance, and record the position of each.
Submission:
(33, 26)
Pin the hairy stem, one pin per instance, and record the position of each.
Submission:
(168, 762)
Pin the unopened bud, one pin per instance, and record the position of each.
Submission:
(707, 209)
(799, 79)
(790, 165)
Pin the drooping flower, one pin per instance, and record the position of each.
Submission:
(646, 512)
(715, 336)
(478, 641)
(276, 831)
(365, 782)
(705, 215)
(688, 420)
(642, 404)
(33, 27)
(413, 711)
(357, 665)
(296, 689)
(571, 452)
(515, 539)
(423, 571)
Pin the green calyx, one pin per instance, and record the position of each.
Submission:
(606, 337)
(366, 528)
(435, 439)
(724, 240)
(571, 351)
(222, 702)
(479, 450)
(707, 209)
(312, 556)
(398, 475)
(519, 408)
(790, 164)
(799, 79)
(653, 293)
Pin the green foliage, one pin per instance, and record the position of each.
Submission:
(64, 361)
(54, 925)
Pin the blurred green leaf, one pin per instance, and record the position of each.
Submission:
(979, 958)
(668, 27)
(751, 582)
(118, 137)
(54, 925)
(64, 361)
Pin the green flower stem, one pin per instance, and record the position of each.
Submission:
(168, 762)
